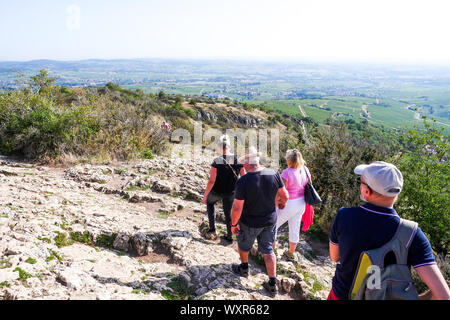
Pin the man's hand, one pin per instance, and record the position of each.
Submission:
(235, 230)
(204, 199)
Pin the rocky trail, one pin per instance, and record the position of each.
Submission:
(130, 231)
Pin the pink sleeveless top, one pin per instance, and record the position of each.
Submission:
(296, 181)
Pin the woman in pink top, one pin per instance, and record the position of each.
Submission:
(294, 179)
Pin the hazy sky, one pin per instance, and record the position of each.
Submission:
(351, 30)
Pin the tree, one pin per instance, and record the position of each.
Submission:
(426, 174)
(41, 82)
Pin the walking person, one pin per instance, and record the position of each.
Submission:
(356, 230)
(225, 171)
(294, 178)
(254, 215)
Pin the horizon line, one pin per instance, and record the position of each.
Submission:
(253, 59)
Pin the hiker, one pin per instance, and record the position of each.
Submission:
(373, 225)
(254, 215)
(295, 179)
(225, 171)
(166, 126)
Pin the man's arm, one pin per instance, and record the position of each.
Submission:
(236, 215)
(211, 181)
(334, 252)
(282, 197)
(433, 278)
(278, 198)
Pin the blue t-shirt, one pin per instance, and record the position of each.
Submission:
(258, 190)
(358, 229)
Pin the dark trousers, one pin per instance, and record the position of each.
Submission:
(227, 201)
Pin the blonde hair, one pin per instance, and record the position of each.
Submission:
(294, 159)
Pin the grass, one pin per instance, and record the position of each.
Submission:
(30, 260)
(53, 255)
(121, 171)
(84, 237)
(139, 291)
(61, 240)
(87, 238)
(178, 290)
(23, 275)
(4, 263)
(163, 215)
(44, 239)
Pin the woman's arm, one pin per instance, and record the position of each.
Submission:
(210, 185)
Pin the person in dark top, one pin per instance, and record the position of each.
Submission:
(225, 171)
(254, 215)
(372, 225)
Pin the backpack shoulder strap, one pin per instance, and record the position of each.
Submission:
(229, 166)
(405, 234)
(406, 231)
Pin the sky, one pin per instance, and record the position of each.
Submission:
(291, 30)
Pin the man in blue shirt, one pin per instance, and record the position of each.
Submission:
(370, 226)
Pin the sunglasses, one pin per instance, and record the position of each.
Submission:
(362, 182)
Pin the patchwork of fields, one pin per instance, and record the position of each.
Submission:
(388, 112)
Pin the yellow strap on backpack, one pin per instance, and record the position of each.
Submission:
(364, 265)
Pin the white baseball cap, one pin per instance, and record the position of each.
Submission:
(382, 177)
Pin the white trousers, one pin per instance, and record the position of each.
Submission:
(292, 213)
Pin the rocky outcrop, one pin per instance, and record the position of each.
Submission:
(130, 231)
(230, 118)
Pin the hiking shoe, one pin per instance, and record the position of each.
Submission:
(237, 269)
(289, 256)
(272, 289)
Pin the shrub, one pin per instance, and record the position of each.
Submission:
(104, 240)
(42, 121)
(84, 237)
(331, 154)
(426, 173)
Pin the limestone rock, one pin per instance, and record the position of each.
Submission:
(165, 186)
(141, 243)
(122, 242)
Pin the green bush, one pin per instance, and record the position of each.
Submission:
(331, 154)
(426, 173)
(34, 127)
(44, 121)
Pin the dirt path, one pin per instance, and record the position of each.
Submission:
(302, 111)
(365, 111)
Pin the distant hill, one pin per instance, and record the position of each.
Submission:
(390, 93)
